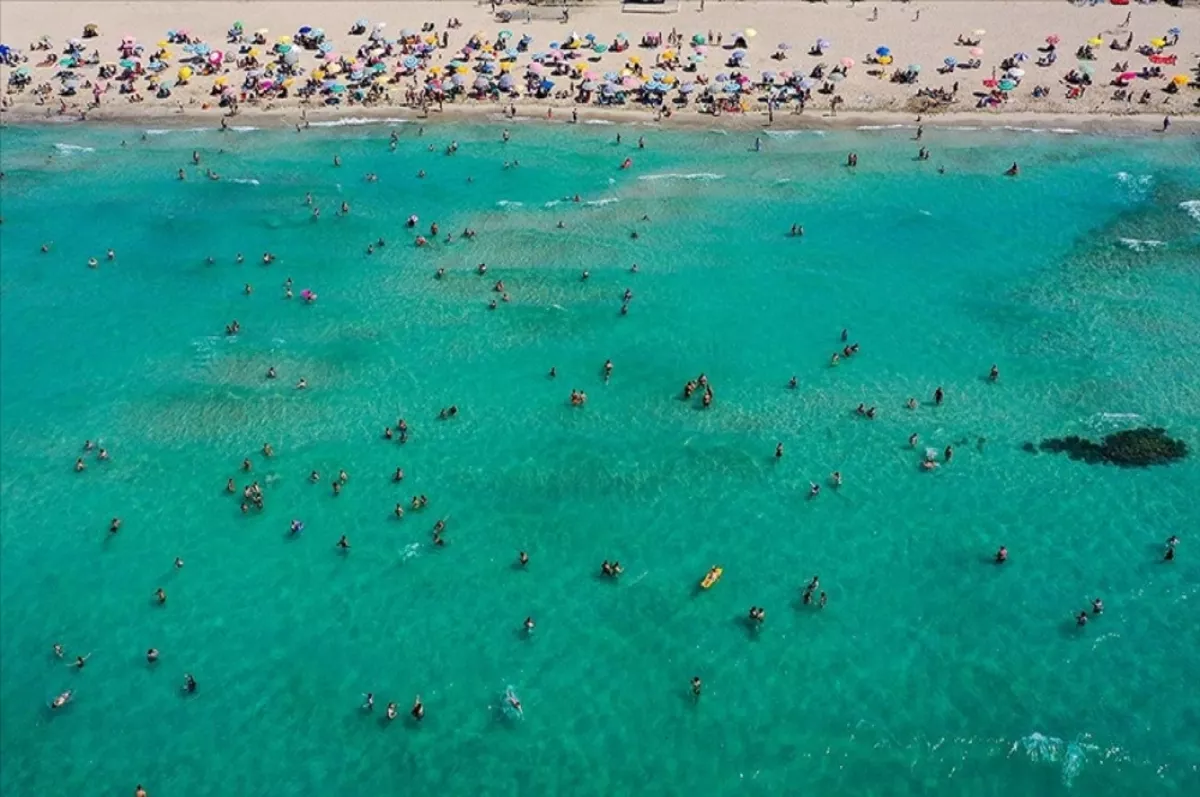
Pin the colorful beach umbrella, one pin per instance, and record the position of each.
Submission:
(1007, 85)
(1095, 41)
(950, 61)
(847, 62)
(882, 51)
(914, 68)
(1053, 38)
(1175, 32)
(1159, 42)
(977, 51)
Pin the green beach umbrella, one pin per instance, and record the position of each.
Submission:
(1086, 68)
(601, 48)
(505, 34)
(914, 67)
(698, 39)
(1007, 85)
(126, 63)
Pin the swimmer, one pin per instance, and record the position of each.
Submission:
(344, 209)
(938, 396)
(80, 661)
(553, 372)
(1172, 541)
(949, 453)
(114, 526)
(608, 367)
(814, 489)
(1013, 170)
(529, 625)
(833, 361)
(295, 528)
(344, 543)
(779, 451)
(58, 650)
(441, 272)
(314, 477)
(911, 403)
(1002, 555)
(1081, 619)
(189, 683)
(139, 791)
(152, 655)
(835, 478)
(343, 477)
(178, 563)
(93, 262)
(369, 704)
(1169, 556)
(824, 600)
(337, 488)
(267, 450)
(418, 709)
(161, 595)
(994, 374)
(792, 383)
(391, 711)
(249, 289)
(112, 255)
(245, 465)
(79, 465)
(398, 511)
(337, 160)
(180, 175)
(271, 372)
(398, 476)
(523, 558)
(696, 686)
(302, 384)
(583, 277)
(102, 455)
(1097, 606)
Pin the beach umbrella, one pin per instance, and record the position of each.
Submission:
(751, 33)
(1016, 73)
(536, 69)
(1095, 41)
(1160, 42)
(1087, 68)
(989, 83)
(950, 61)
(723, 77)
(806, 83)
(658, 74)
(185, 72)
(687, 88)
(977, 51)
(588, 85)
(1021, 56)
(504, 34)
(836, 77)
(283, 48)
(768, 77)
(783, 46)
(506, 82)
(325, 47)
(1127, 76)
(1175, 32)
(739, 54)
(885, 60)
(630, 82)
(824, 44)
(601, 48)
(482, 83)
(699, 39)
(1053, 38)
(410, 62)
(914, 68)
(304, 29)
(337, 88)
(702, 49)
(1181, 80)
(979, 32)
(127, 63)
(457, 80)
(1007, 85)
(732, 88)
(847, 62)
(546, 85)
(695, 58)
(882, 51)
(611, 77)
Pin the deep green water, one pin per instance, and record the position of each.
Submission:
(931, 671)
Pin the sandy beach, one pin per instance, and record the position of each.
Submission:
(879, 63)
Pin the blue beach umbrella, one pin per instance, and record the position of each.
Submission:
(658, 75)
(1175, 32)
(600, 48)
(304, 29)
(1021, 56)
(824, 44)
(337, 88)
(723, 77)
(482, 83)
(951, 61)
(410, 62)
(807, 83)
(783, 46)
(457, 80)
(546, 85)
(325, 47)
(555, 45)
(588, 85)
(882, 51)
(732, 88)
(696, 58)
(687, 88)
(611, 77)
(739, 54)
(506, 82)
(1007, 85)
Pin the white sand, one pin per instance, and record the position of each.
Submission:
(1020, 26)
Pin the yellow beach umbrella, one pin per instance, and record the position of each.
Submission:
(1095, 41)
(1180, 80)
(221, 81)
(287, 84)
(633, 59)
(506, 66)
(750, 33)
(166, 55)
(333, 68)
(979, 32)
(885, 59)
(463, 70)
(163, 43)
(284, 40)
(254, 52)
(319, 74)
(185, 72)
(435, 70)
(1160, 42)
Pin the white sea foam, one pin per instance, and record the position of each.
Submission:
(1139, 245)
(598, 122)
(70, 149)
(693, 176)
(243, 128)
(1064, 131)
(163, 132)
(1134, 179)
(244, 180)
(508, 203)
(596, 203)
(355, 121)
(1049, 750)
(883, 127)
(794, 133)
(552, 203)
(1191, 207)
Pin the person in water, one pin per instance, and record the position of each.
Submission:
(697, 685)
(418, 709)
(523, 558)
(1002, 555)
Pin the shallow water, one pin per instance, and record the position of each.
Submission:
(931, 671)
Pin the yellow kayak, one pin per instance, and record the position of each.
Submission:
(713, 577)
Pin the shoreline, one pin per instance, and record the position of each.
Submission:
(813, 120)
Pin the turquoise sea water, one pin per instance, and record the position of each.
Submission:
(931, 671)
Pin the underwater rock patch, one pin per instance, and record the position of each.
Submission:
(1132, 448)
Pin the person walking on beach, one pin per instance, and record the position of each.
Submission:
(1166, 123)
